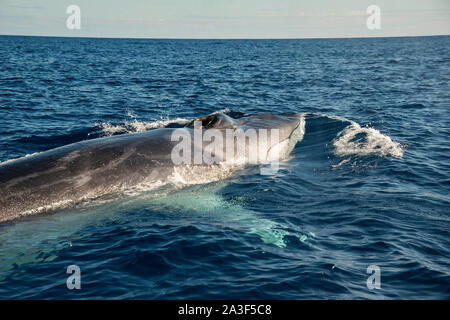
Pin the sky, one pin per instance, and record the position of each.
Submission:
(225, 18)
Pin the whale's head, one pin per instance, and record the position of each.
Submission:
(266, 136)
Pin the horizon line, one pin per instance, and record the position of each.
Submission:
(243, 38)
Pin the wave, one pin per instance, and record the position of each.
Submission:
(134, 125)
(337, 139)
(108, 129)
(355, 140)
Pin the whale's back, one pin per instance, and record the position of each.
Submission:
(79, 171)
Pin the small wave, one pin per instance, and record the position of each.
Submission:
(226, 110)
(355, 140)
(135, 125)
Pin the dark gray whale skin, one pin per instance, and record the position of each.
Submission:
(89, 168)
(97, 167)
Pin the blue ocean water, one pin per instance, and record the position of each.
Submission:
(368, 184)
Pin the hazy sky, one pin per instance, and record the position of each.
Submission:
(225, 18)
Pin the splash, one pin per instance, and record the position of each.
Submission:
(225, 110)
(134, 125)
(355, 140)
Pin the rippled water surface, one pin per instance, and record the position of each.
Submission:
(367, 185)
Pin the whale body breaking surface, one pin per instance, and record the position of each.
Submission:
(90, 169)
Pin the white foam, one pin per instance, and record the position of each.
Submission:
(374, 142)
(135, 125)
(108, 129)
(221, 111)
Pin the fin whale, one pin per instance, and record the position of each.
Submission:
(92, 168)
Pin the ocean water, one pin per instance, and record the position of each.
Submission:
(367, 186)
